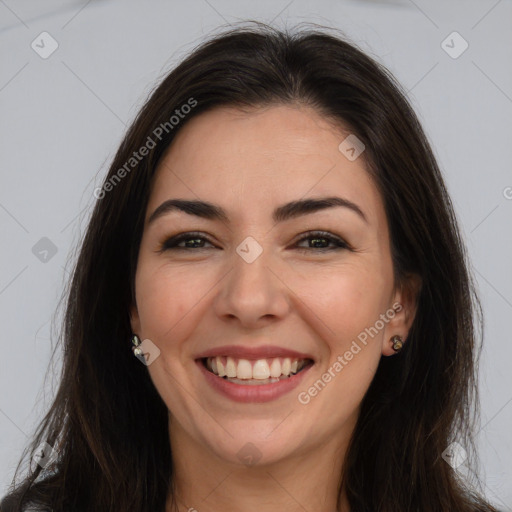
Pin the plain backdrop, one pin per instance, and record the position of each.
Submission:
(63, 115)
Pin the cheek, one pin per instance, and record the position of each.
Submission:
(169, 302)
(347, 299)
(166, 297)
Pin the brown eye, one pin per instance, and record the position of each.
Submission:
(190, 240)
(320, 242)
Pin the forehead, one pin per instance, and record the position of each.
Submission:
(261, 157)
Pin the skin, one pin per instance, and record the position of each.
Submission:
(315, 302)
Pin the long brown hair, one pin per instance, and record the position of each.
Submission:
(107, 421)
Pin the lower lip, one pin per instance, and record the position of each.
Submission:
(257, 393)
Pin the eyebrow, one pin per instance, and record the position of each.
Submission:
(282, 213)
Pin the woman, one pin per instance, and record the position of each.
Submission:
(275, 243)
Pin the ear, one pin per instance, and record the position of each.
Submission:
(134, 319)
(404, 304)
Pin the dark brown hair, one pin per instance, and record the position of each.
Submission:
(107, 421)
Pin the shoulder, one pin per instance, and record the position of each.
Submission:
(35, 508)
(8, 506)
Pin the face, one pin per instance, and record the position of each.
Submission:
(260, 288)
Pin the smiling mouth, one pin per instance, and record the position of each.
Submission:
(255, 372)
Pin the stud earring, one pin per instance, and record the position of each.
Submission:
(137, 351)
(397, 343)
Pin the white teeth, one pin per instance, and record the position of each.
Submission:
(221, 371)
(262, 369)
(275, 368)
(231, 367)
(244, 369)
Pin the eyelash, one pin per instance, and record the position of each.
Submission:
(172, 242)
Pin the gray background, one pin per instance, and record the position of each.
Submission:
(63, 117)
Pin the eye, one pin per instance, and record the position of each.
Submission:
(321, 240)
(174, 242)
(196, 240)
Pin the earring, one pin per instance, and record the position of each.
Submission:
(137, 351)
(397, 343)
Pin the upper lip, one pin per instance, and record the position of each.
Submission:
(244, 352)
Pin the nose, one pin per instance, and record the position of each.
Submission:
(252, 294)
